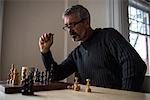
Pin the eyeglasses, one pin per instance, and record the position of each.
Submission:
(72, 25)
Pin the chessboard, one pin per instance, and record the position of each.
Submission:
(10, 89)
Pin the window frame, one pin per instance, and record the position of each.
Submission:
(139, 5)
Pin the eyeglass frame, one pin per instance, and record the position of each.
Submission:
(66, 28)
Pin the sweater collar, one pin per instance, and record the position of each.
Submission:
(86, 43)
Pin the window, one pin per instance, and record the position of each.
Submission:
(139, 27)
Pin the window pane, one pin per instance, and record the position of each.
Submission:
(132, 13)
(140, 27)
(133, 25)
(139, 15)
(133, 38)
(141, 47)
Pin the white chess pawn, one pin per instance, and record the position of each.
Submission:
(88, 89)
(76, 85)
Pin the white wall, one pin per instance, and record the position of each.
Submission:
(99, 12)
(24, 22)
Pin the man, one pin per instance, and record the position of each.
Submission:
(103, 56)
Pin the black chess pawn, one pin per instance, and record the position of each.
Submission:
(42, 77)
(37, 76)
(51, 73)
(30, 90)
(46, 78)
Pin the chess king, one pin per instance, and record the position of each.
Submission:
(13, 76)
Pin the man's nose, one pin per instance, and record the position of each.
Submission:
(71, 31)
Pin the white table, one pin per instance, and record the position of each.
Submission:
(97, 93)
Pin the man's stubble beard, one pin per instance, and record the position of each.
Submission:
(77, 38)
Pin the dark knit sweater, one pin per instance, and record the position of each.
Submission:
(106, 58)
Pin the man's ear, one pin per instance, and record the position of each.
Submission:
(87, 23)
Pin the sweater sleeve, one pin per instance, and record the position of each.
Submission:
(133, 67)
(60, 71)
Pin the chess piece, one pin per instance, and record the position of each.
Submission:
(27, 88)
(76, 85)
(32, 70)
(23, 75)
(51, 75)
(37, 75)
(8, 79)
(15, 80)
(42, 77)
(70, 87)
(49, 78)
(46, 78)
(25, 85)
(11, 73)
(88, 89)
(30, 77)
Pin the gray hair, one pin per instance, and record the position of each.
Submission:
(83, 12)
